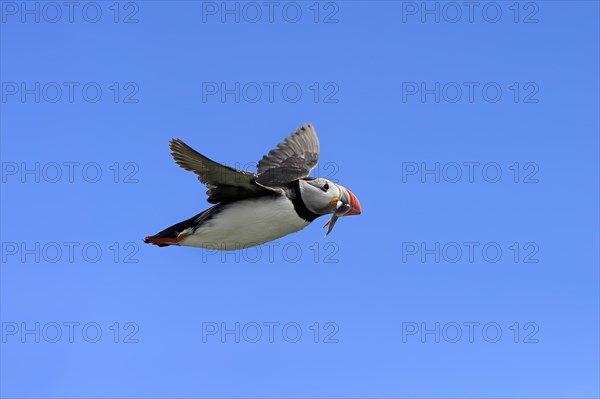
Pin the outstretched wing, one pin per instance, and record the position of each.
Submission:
(223, 183)
(291, 160)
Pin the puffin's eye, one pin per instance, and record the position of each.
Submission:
(326, 187)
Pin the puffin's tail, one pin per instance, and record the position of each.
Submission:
(174, 234)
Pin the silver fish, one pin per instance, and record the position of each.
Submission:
(341, 211)
(331, 223)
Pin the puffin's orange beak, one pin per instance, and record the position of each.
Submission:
(354, 203)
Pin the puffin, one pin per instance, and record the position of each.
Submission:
(251, 209)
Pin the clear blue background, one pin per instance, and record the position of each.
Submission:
(370, 292)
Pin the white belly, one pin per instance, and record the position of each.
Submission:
(246, 224)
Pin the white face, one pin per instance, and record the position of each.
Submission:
(321, 196)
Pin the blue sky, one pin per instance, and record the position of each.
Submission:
(469, 134)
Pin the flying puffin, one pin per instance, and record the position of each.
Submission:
(255, 208)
